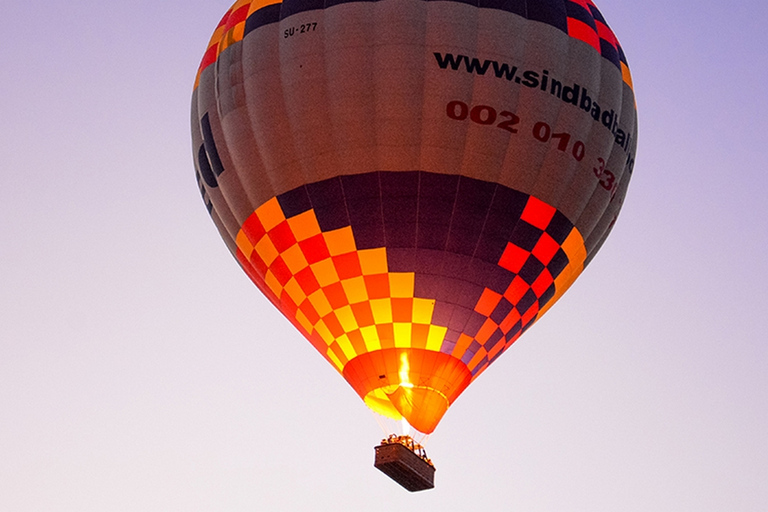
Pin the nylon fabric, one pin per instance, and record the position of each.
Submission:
(413, 183)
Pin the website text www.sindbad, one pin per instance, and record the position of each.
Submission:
(575, 94)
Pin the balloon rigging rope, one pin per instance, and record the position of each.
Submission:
(380, 421)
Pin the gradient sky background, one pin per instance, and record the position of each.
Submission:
(131, 343)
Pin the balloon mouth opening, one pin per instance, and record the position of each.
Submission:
(410, 384)
(420, 408)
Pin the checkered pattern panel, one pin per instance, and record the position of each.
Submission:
(344, 300)
(585, 22)
(580, 19)
(410, 260)
(533, 271)
(242, 17)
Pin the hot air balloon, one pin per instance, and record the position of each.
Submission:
(413, 183)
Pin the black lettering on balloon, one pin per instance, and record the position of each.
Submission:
(576, 95)
(531, 79)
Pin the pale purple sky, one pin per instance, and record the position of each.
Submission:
(131, 343)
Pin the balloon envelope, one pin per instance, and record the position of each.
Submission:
(413, 183)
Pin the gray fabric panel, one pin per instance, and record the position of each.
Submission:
(363, 91)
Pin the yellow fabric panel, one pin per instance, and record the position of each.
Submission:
(270, 214)
(245, 245)
(355, 289)
(304, 226)
(346, 346)
(373, 261)
(336, 349)
(295, 292)
(324, 333)
(347, 319)
(335, 360)
(325, 272)
(258, 4)
(371, 338)
(382, 310)
(401, 284)
(402, 335)
(626, 75)
(422, 310)
(234, 35)
(320, 303)
(304, 321)
(266, 250)
(294, 259)
(273, 283)
(436, 337)
(340, 241)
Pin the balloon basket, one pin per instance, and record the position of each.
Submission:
(405, 462)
